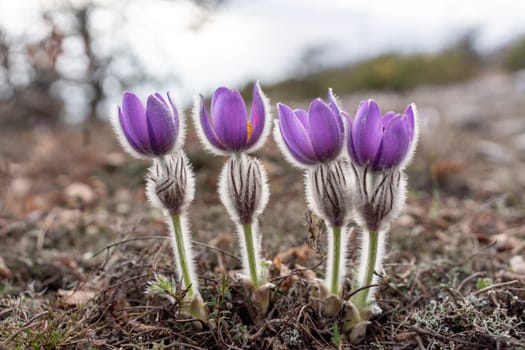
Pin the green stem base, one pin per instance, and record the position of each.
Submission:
(252, 256)
(181, 254)
(360, 299)
(335, 288)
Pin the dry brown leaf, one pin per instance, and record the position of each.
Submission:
(301, 253)
(76, 297)
(277, 263)
(505, 241)
(406, 335)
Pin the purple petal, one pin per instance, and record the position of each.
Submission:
(350, 144)
(367, 131)
(302, 115)
(409, 111)
(135, 115)
(326, 130)
(332, 99)
(230, 119)
(207, 128)
(176, 121)
(127, 129)
(387, 118)
(217, 95)
(257, 115)
(396, 141)
(161, 128)
(332, 102)
(295, 136)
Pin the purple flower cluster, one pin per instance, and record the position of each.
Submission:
(353, 169)
(376, 141)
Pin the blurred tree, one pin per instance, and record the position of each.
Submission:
(514, 55)
(18, 100)
(49, 84)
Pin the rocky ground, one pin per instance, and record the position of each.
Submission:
(79, 242)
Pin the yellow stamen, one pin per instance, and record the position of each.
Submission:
(249, 133)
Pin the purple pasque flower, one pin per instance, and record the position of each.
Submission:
(151, 131)
(229, 128)
(382, 141)
(313, 137)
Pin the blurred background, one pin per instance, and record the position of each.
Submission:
(64, 65)
(68, 190)
(70, 60)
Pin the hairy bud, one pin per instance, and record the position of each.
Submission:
(328, 191)
(379, 198)
(243, 188)
(170, 183)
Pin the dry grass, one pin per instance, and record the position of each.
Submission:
(77, 259)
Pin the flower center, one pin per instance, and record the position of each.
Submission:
(249, 127)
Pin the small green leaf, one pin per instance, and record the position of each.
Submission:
(162, 286)
(483, 283)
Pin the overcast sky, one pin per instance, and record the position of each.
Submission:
(265, 39)
(247, 40)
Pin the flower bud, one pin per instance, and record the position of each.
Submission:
(379, 197)
(243, 188)
(328, 192)
(170, 184)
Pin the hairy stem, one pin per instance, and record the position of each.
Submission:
(361, 298)
(181, 254)
(250, 251)
(335, 288)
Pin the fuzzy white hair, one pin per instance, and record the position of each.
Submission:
(170, 183)
(243, 188)
(187, 251)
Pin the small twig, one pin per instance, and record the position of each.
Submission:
(6, 311)
(217, 249)
(494, 286)
(420, 343)
(443, 337)
(114, 244)
(302, 310)
(132, 239)
(468, 279)
(26, 326)
(453, 293)
(362, 288)
(399, 310)
(261, 330)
